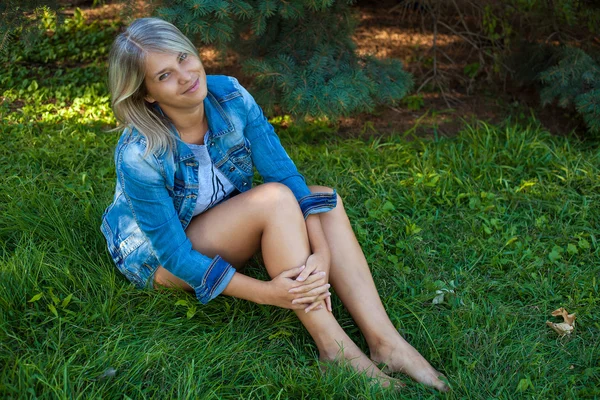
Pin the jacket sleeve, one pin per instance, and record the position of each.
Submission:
(274, 164)
(155, 214)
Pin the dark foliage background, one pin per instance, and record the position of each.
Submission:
(304, 62)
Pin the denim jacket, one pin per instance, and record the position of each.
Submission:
(156, 193)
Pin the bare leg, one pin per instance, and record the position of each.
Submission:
(268, 217)
(349, 275)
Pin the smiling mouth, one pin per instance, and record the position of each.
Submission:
(194, 87)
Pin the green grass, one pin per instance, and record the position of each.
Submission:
(504, 218)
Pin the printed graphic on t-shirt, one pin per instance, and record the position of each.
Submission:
(213, 186)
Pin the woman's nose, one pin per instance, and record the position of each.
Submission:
(185, 76)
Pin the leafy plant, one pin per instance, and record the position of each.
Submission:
(53, 302)
(575, 80)
(300, 52)
(414, 102)
(45, 40)
(446, 293)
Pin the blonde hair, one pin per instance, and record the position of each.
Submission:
(126, 73)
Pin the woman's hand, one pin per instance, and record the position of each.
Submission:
(285, 292)
(316, 264)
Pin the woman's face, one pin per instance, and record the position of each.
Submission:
(175, 80)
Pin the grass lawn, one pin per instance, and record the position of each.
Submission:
(503, 220)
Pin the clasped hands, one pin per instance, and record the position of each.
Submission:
(304, 287)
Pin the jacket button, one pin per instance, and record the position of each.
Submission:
(244, 184)
(231, 169)
(212, 143)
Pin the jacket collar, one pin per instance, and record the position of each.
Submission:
(218, 122)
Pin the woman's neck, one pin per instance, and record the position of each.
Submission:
(190, 124)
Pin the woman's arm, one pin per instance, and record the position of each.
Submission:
(274, 164)
(154, 212)
(247, 288)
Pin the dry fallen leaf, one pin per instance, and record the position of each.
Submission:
(562, 328)
(568, 318)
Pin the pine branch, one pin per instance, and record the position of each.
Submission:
(308, 62)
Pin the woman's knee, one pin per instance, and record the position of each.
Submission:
(277, 196)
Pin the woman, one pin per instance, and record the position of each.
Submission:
(184, 214)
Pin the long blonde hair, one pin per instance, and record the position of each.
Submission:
(126, 72)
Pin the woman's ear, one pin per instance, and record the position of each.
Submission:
(149, 99)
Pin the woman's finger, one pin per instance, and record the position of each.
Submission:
(313, 292)
(315, 276)
(306, 273)
(311, 299)
(318, 304)
(314, 307)
(292, 272)
(328, 303)
(311, 283)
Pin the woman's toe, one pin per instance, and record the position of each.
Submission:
(440, 385)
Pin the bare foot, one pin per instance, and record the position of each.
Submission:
(358, 361)
(404, 358)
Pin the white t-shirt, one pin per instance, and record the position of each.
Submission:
(213, 186)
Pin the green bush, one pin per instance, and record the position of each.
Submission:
(73, 40)
(552, 45)
(574, 80)
(301, 52)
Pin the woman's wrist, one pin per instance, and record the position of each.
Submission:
(265, 293)
(247, 288)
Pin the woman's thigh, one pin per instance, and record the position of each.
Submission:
(232, 229)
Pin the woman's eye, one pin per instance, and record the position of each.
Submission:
(163, 77)
(182, 57)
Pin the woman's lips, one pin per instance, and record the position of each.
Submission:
(194, 87)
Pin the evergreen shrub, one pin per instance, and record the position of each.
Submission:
(574, 80)
(300, 52)
(552, 45)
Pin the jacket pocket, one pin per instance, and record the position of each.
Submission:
(132, 265)
(241, 156)
(121, 252)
